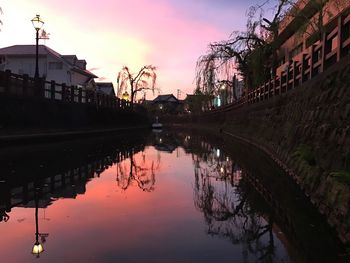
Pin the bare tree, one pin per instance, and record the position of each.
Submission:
(144, 80)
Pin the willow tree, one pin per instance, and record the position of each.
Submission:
(251, 53)
(225, 58)
(144, 80)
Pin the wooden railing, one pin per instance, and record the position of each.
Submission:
(25, 86)
(334, 46)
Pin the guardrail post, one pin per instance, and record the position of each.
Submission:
(72, 95)
(323, 52)
(303, 61)
(312, 58)
(52, 89)
(64, 90)
(7, 81)
(340, 37)
(80, 95)
(25, 84)
(294, 74)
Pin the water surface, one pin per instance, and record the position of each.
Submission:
(158, 198)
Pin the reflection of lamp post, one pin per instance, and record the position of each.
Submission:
(37, 23)
(38, 247)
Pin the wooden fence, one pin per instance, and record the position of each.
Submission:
(25, 86)
(334, 46)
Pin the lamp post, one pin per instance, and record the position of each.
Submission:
(37, 23)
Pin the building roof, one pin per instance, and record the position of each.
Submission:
(30, 50)
(105, 88)
(166, 98)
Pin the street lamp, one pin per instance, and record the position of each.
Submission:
(224, 95)
(125, 96)
(37, 23)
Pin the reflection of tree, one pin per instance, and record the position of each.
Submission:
(137, 170)
(225, 201)
(4, 204)
(4, 216)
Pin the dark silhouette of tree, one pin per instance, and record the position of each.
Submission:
(144, 80)
(4, 216)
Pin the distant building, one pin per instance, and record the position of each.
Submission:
(106, 88)
(68, 69)
(167, 103)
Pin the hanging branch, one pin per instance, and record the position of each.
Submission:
(145, 79)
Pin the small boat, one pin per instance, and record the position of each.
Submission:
(157, 125)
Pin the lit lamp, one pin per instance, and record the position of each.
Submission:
(223, 88)
(37, 249)
(37, 24)
(125, 96)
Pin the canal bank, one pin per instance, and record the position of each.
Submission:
(306, 130)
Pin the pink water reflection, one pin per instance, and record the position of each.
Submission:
(111, 223)
(107, 218)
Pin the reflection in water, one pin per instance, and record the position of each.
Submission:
(223, 196)
(139, 170)
(228, 192)
(38, 245)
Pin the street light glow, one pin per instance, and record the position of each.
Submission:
(37, 22)
(37, 249)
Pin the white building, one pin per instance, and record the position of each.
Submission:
(68, 69)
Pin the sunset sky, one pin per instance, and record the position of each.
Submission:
(169, 34)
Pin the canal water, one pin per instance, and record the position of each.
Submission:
(157, 197)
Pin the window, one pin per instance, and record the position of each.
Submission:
(55, 65)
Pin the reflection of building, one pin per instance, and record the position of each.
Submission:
(20, 59)
(164, 142)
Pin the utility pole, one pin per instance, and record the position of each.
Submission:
(178, 94)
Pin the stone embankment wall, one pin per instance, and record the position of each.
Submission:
(307, 131)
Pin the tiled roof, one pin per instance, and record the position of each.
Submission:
(166, 98)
